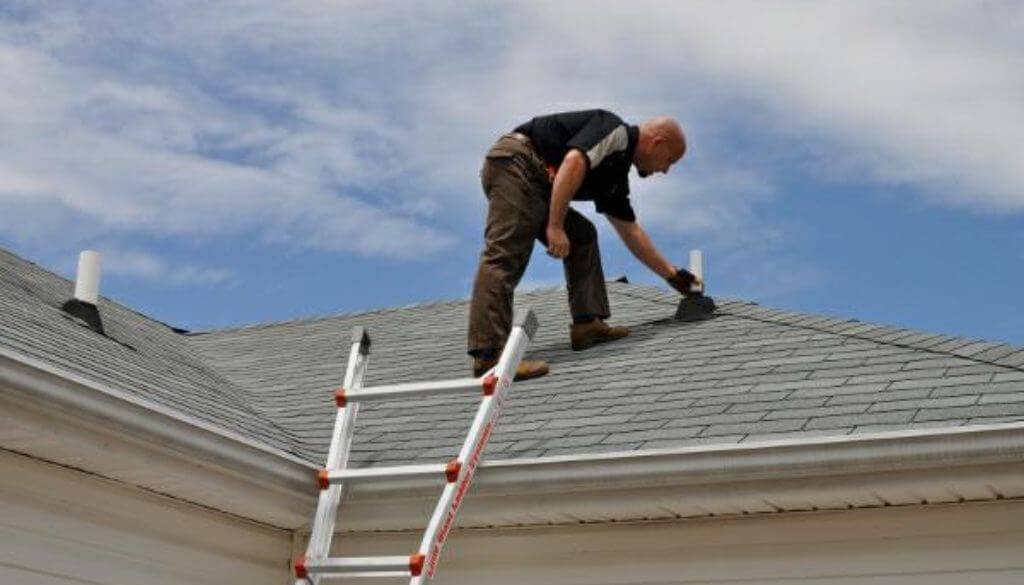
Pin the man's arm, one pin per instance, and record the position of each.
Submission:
(640, 244)
(567, 180)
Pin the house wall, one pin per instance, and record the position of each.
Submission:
(977, 543)
(59, 526)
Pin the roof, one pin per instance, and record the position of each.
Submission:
(751, 373)
(137, 355)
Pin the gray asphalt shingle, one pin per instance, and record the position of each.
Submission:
(751, 373)
(138, 355)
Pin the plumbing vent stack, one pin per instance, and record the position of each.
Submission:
(87, 292)
(87, 285)
(697, 267)
(696, 306)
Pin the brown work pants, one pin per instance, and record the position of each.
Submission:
(519, 194)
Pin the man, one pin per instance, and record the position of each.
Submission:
(529, 177)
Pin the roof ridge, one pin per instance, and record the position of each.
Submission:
(323, 317)
(999, 354)
(355, 313)
(982, 352)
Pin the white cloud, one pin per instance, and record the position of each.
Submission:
(702, 201)
(901, 92)
(111, 154)
(147, 266)
(360, 127)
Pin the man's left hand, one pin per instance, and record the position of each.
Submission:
(685, 281)
(558, 242)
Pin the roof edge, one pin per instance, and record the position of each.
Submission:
(42, 387)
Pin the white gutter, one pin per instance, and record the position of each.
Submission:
(872, 470)
(783, 459)
(43, 386)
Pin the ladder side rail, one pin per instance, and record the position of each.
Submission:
(443, 519)
(337, 455)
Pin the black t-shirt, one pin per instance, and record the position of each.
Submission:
(607, 142)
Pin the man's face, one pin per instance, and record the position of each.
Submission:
(659, 158)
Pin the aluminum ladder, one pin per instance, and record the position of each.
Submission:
(421, 565)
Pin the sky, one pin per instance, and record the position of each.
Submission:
(245, 161)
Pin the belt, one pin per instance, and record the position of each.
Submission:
(520, 137)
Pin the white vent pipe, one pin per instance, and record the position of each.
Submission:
(87, 283)
(697, 266)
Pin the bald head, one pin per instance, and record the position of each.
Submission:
(668, 129)
(661, 143)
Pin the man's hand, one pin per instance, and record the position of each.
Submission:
(566, 181)
(558, 242)
(684, 281)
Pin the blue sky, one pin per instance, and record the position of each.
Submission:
(248, 161)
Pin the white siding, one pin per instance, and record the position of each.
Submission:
(977, 543)
(59, 526)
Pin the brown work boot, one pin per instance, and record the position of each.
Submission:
(584, 335)
(527, 368)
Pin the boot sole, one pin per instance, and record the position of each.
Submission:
(591, 343)
(530, 376)
(517, 378)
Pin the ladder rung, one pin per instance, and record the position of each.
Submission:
(397, 566)
(438, 470)
(419, 389)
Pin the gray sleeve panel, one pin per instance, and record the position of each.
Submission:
(617, 139)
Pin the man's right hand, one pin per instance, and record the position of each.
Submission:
(684, 281)
(558, 242)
